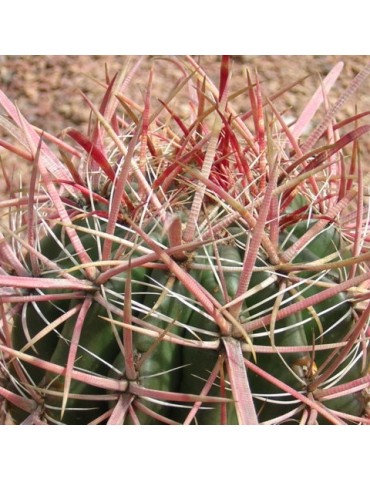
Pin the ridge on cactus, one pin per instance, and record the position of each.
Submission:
(207, 268)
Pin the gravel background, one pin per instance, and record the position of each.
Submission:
(47, 87)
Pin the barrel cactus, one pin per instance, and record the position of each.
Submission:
(207, 268)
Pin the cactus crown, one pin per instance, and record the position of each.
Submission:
(206, 268)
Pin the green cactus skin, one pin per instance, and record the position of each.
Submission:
(199, 363)
(351, 404)
(288, 368)
(38, 314)
(335, 316)
(169, 366)
(184, 369)
(97, 340)
(158, 369)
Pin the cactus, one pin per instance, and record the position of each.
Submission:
(203, 270)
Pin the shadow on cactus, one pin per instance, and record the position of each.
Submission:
(203, 268)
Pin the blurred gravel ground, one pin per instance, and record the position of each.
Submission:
(47, 88)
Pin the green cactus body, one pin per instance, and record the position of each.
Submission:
(352, 403)
(38, 314)
(97, 345)
(330, 320)
(289, 368)
(198, 363)
(200, 278)
(168, 366)
(286, 367)
(159, 371)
